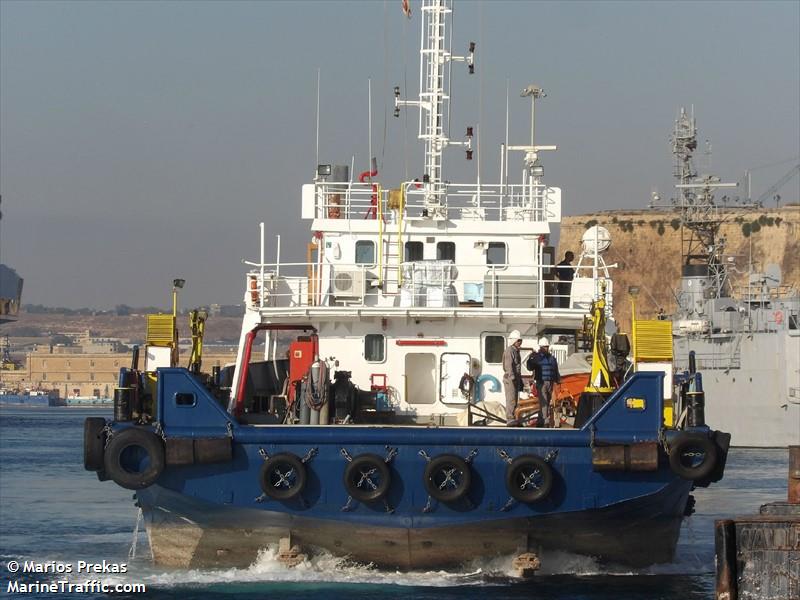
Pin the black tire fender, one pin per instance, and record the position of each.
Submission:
(367, 478)
(529, 478)
(692, 456)
(447, 478)
(94, 443)
(282, 476)
(134, 440)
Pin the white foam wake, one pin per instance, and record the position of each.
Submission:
(320, 568)
(323, 567)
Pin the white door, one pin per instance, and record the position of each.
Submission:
(454, 366)
(420, 378)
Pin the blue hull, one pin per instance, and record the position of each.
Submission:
(201, 514)
(190, 533)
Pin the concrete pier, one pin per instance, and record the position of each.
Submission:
(758, 556)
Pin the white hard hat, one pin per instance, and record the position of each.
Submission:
(514, 336)
(543, 341)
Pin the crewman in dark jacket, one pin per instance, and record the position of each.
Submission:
(544, 367)
(565, 273)
(512, 375)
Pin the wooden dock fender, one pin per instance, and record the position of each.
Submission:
(642, 456)
(725, 544)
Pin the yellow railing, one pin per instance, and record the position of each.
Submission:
(400, 211)
(379, 216)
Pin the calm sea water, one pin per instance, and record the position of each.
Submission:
(53, 510)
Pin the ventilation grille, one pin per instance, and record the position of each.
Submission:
(652, 340)
(160, 330)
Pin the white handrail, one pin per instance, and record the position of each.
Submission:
(454, 282)
(497, 202)
(261, 283)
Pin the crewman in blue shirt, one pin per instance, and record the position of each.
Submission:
(544, 367)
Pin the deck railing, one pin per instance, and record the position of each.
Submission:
(521, 202)
(711, 361)
(416, 284)
(755, 294)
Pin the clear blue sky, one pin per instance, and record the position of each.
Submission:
(140, 141)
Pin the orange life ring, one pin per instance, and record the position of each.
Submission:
(334, 206)
(254, 298)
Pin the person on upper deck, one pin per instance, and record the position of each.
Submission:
(544, 367)
(565, 273)
(512, 375)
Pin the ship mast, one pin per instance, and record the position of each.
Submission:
(701, 217)
(434, 100)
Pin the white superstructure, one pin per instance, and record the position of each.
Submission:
(419, 284)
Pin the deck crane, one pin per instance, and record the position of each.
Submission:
(197, 324)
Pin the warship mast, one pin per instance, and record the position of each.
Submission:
(702, 247)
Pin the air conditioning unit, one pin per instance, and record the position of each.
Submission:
(348, 284)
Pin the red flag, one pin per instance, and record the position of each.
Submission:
(406, 9)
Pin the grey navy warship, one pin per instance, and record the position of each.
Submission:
(745, 338)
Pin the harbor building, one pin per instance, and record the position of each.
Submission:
(75, 373)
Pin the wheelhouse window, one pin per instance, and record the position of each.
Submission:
(496, 254)
(413, 251)
(374, 347)
(365, 252)
(493, 348)
(446, 251)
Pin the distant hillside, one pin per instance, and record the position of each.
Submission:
(130, 327)
(647, 246)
